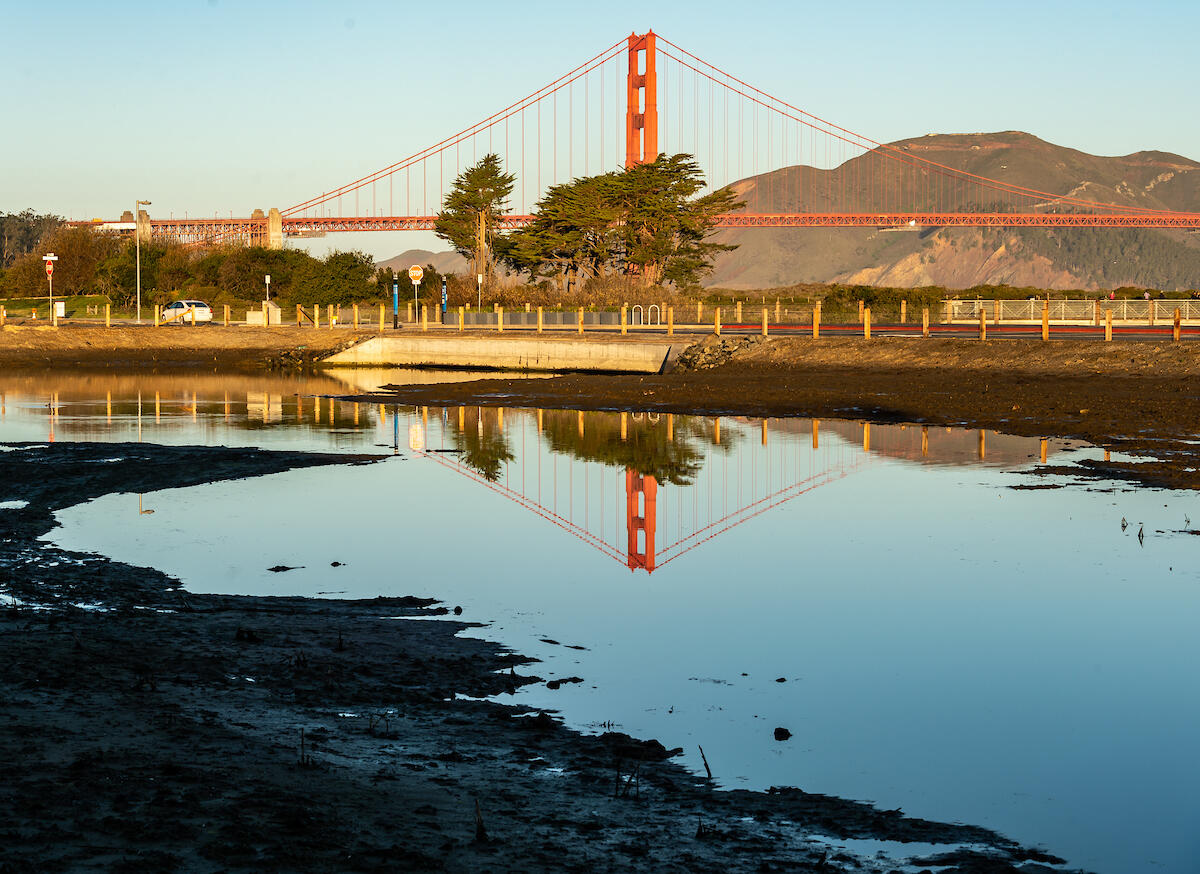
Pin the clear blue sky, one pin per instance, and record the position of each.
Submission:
(214, 105)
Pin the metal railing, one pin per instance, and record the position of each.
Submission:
(1067, 311)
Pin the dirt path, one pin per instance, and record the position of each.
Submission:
(133, 348)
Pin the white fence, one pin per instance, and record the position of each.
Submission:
(1082, 312)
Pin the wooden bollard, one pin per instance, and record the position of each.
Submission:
(316, 315)
(816, 326)
(408, 312)
(1175, 329)
(539, 328)
(157, 315)
(299, 316)
(778, 319)
(499, 318)
(764, 326)
(225, 315)
(764, 428)
(1045, 320)
(924, 321)
(1153, 306)
(866, 315)
(717, 321)
(1043, 450)
(462, 318)
(354, 315)
(107, 315)
(266, 316)
(670, 321)
(982, 323)
(982, 444)
(1097, 312)
(860, 312)
(581, 320)
(737, 313)
(329, 315)
(624, 317)
(381, 312)
(526, 306)
(1108, 326)
(3, 316)
(424, 317)
(816, 431)
(903, 312)
(699, 313)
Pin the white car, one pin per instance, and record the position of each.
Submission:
(181, 311)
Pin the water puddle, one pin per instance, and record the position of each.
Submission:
(930, 638)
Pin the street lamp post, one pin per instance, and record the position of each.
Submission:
(137, 244)
(50, 258)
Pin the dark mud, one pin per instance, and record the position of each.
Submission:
(146, 729)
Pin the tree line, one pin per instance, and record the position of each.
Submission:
(92, 262)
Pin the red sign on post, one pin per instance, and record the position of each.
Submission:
(49, 268)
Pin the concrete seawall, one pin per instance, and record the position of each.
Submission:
(516, 353)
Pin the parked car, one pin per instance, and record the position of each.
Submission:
(180, 312)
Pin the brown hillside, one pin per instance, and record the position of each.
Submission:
(1064, 258)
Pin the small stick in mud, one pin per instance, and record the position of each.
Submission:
(481, 835)
(704, 758)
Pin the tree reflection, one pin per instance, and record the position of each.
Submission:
(484, 446)
(646, 445)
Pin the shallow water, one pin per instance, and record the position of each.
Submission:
(948, 645)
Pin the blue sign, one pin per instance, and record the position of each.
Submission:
(443, 296)
(395, 296)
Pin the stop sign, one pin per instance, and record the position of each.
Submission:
(49, 268)
(415, 273)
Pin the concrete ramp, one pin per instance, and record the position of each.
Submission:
(505, 353)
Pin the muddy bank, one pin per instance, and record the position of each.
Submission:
(147, 729)
(169, 347)
(1136, 398)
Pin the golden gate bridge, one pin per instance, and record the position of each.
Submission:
(644, 96)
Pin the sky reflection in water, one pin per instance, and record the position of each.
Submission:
(949, 645)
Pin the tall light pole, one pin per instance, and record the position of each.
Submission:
(137, 244)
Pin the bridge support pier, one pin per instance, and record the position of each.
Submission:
(641, 106)
(641, 494)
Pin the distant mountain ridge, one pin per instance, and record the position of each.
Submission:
(1060, 258)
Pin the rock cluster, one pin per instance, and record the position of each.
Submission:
(713, 352)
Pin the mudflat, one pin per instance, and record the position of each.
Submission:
(150, 729)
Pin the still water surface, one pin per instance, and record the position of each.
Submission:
(946, 644)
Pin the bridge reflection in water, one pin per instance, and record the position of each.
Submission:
(641, 488)
(645, 489)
